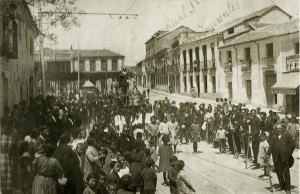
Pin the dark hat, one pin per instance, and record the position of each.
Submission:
(291, 161)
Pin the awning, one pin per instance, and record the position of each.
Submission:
(88, 84)
(287, 84)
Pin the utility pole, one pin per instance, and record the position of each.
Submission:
(42, 52)
(78, 67)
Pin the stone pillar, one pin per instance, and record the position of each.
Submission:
(119, 64)
(201, 81)
(195, 82)
(218, 69)
(188, 84)
(188, 59)
(181, 82)
(209, 83)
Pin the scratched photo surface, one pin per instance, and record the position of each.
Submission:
(176, 51)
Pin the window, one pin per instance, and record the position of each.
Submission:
(98, 65)
(68, 66)
(103, 65)
(191, 81)
(114, 65)
(230, 30)
(184, 60)
(297, 48)
(93, 66)
(197, 53)
(205, 83)
(204, 51)
(229, 57)
(10, 36)
(269, 50)
(87, 66)
(191, 58)
(247, 53)
(213, 54)
(248, 88)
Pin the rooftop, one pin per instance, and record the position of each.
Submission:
(266, 32)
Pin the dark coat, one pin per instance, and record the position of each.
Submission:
(282, 147)
(255, 124)
(125, 145)
(70, 164)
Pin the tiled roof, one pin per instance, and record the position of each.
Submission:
(267, 31)
(63, 53)
(252, 15)
(99, 53)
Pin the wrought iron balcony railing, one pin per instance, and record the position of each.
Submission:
(292, 62)
(246, 65)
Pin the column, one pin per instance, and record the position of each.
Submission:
(201, 82)
(109, 65)
(218, 69)
(181, 82)
(194, 82)
(188, 84)
(209, 61)
(188, 60)
(119, 64)
(181, 61)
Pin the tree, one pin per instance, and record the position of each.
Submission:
(56, 13)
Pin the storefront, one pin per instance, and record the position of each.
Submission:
(288, 87)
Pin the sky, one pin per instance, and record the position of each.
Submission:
(128, 36)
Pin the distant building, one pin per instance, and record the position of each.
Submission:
(17, 36)
(253, 59)
(101, 67)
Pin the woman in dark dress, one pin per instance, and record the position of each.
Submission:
(47, 170)
(70, 164)
(136, 158)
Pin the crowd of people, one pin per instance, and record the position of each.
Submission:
(103, 145)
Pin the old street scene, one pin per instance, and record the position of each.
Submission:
(144, 97)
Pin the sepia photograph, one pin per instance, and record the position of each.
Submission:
(149, 96)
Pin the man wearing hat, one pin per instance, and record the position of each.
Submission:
(282, 147)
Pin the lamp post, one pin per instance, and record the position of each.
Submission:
(148, 91)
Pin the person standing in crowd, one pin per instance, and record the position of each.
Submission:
(195, 135)
(125, 143)
(149, 177)
(91, 181)
(70, 164)
(282, 147)
(92, 158)
(8, 146)
(255, 125)
(173, 128)
(263, 145)
(182, 181)
(172, 175)
(165, 152)
(221, 137)
(163, 129)
(113, 176)
(153, 130)
(47, 170)
(42, 139)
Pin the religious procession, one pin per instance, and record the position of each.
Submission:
(117, 142)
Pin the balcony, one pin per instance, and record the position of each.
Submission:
(246, 65)
(211, 64)
(292, 62)
(228, 67)
(268, 63)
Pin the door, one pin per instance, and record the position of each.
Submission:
(184, 81)
(205, 83)
(213, 82)
(270, 81)
(198, 84)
